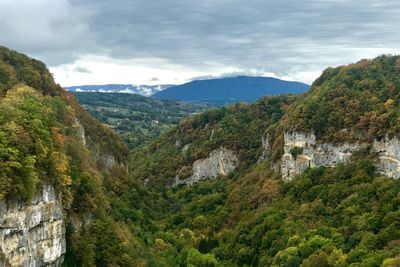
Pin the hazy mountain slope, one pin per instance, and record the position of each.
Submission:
(232, 89)
(145, 90)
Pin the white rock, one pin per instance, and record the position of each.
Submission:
(328, 154)
(220, 162)
(33, 234)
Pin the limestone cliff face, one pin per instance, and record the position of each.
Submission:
(301, 151)
(221, 161)
(388, 151)
(33, 234)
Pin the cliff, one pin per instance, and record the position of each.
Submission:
(46, 138)
(303, 151)
(33, 234)
(221, 161)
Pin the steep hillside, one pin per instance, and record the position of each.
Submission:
(347, 109)
(137, 119)
(231, 90)
(59, 171)
(234, 133)
(335, 147)
(360, 102)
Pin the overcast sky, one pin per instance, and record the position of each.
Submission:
(173, 41)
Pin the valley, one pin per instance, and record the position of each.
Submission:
(267, 183)
(188, 133)
(137, 119)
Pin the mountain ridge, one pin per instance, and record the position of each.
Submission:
(231, 89)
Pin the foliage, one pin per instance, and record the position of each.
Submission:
(28, 153)
(342, 216)
(325, 217)
(41, 143)
(295, 151)
(239, 127)
(17, 68)
(137, 119)
(351, 103)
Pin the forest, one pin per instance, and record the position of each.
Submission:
(347, 215)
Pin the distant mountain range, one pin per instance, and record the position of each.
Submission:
(232, 89)
(219, 90)
(145, 90)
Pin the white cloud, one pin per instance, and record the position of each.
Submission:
(105, 70)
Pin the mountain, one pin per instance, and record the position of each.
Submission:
(289, 180)
(307, 180)
(137, 119)
(60, 170)
(230, 90)
(145, 90)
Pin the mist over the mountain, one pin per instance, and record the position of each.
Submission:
(145, 90)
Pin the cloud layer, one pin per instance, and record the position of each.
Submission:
(292, 39)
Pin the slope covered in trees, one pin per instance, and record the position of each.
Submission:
(359, 102)
(239, 127)
(41, 142)
(341, 216)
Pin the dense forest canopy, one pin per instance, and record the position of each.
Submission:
(358, 102)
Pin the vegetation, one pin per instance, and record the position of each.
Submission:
(239, 127)
(137, 119)
(351, 103)
(342, 216)
(295, 151)
(40, 144)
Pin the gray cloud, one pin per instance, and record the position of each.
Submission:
(283, 37)
(82, 69)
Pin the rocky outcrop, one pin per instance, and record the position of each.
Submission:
(265, 141)
(221, 161)
(33, 234)
(302, 151)
(388, 151)
(81, 132)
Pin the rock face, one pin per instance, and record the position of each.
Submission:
(33, 234)
(81, 131)
(388, 151)
(301, 151)
(220, 162)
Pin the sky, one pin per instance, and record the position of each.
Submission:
(175, 41)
